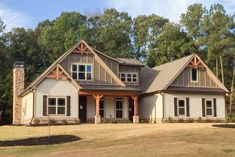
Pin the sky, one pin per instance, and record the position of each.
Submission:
(28, 13)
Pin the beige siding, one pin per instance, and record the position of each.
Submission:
(27, 108)
(184, 79)
(100, 74)
(52, 87)
(195, 102)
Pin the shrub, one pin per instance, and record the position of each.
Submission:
(170, 120)
(65, 122)
(36, 121)
(199, 120)
(181, 120)
(190, 120)
(52, 121)
(77, 121)
(230, 117)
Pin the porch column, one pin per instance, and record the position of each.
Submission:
(136, 109)
(97, 106)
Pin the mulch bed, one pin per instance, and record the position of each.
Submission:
(224, 125)
(45, 140)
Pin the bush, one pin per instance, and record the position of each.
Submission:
(199, 120)
(181, 120)
(230, 117)
(112, 120)
(170, 120)
(77, 121)
(190, 120)
(36, 121)
(65, 122)
(52, 122)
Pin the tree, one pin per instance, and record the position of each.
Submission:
(110, 33)
(145, 30)
(171, 44)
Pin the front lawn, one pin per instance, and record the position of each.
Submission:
(125, 140)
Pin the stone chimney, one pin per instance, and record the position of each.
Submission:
(18, 87)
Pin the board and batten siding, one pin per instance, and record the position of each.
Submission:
(53, 87)
(27, 108)
(99, 74)
(195, 105)
(150, 107)
(184, 79)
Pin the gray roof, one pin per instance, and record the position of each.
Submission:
(109, 88)
(130, 61)
(158, 78)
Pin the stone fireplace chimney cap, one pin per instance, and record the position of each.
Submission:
(19, 64)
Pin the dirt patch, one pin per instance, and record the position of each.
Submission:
(45, 140)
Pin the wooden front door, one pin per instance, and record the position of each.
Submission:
(82, 108)
(131, 109)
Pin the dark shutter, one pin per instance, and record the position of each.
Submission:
(44, 105)
(175, 107)
(187, 107)
(203, 107)
(215, 109)
(68, 106)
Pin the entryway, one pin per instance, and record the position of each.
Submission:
(83, 109)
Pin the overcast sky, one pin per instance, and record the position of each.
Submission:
(28, 13)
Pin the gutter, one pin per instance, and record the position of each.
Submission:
(163, 106)
(31, 122)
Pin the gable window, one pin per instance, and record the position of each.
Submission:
(102, 107)
(81, 71)
(129, 77)
(209, 108)
(194, 74)
(56, 106)
(181, 107)
(119, 107)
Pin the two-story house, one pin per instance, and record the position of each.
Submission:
(87, 85)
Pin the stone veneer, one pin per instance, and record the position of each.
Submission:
(18, 87)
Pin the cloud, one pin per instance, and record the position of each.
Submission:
(12, 18)
(171, 9)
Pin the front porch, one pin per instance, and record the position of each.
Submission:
(99, 106)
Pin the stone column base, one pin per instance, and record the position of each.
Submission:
(136, 119)
(97, 119)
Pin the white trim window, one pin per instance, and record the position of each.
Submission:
(209, 107)
(194, 74)
(56, 105)
(119, 107)
(181, 107)
(81, 72)
(129, 77)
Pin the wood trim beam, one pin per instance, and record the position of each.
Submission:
(107, 93)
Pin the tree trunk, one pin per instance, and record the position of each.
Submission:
(222, 68)
(216, 67)
(232, 90)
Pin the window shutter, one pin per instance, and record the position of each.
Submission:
(44, 105)
(215, 109)
(68, 106)
(203, 107)
(175, 106)
(187, 107)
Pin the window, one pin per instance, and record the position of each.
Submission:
(56, 106)
(119, 107)
(81, 71)
(209, 108)
(194, 74)
(102, 107)
(181, 107)
(129, 77)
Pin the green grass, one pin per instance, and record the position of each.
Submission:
(125, 140)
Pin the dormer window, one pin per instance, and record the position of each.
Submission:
(194, 74)
(81, 72)
(129, 77)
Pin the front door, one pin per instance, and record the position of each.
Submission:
(131, 109)
(82, 108)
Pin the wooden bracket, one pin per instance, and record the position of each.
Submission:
(57, 74)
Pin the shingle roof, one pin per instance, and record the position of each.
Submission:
(109, 88)
(130, 61)
(158, 78)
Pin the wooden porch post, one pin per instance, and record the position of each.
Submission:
(97, 106)
(136, 109)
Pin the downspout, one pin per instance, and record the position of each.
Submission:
(163, 106)
(31, 122)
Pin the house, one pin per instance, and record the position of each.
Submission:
(87, 85)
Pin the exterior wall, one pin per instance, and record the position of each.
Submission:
(184, 79)
(109, 107)
(52, 87)
(99, 74)
(113, 65)
(27, 108)
(130, 69)
(150, 108)
(195, 103)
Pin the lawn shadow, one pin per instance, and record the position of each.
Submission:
(224, 125)
(56, 139)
